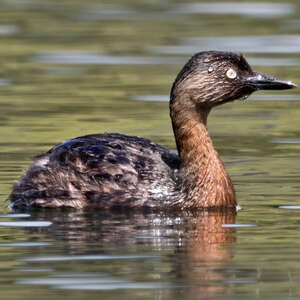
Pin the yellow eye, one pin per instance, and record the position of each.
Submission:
(231, 73)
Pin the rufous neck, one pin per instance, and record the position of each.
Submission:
(203, 178)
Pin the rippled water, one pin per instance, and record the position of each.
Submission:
(70, 68)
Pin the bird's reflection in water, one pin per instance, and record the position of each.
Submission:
(204, 256)
(190, 251)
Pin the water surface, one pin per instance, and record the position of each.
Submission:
(70, 68)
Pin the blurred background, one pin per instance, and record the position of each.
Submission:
(73, 67)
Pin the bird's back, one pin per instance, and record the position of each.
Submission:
(104, 170)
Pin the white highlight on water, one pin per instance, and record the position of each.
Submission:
(84, 257)
(15, 216)
(294, 207)
(26, 224)
(237, 225)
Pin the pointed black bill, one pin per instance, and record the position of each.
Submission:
(264, 82)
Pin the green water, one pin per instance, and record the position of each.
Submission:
(70, 68)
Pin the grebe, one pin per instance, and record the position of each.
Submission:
(112, 170)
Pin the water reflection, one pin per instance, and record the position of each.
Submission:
(8, 29)
(27, 4)
(26, 224)
(253, 9)
(198, 241)
(107, 12)
(15, 216)
(92, 58)
(25, 244)
(105, 284)
(203, 257)
(4, 82)
(290, 141)
(84, 257)
(273, 61)
(296, 207)
(267, 97)
(245, 44)
(237, 225)
(162, 10)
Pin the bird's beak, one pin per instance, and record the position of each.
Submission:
(263, 82)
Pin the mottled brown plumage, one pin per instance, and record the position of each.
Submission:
(117, 171)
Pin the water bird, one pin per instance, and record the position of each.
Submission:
(113, 170)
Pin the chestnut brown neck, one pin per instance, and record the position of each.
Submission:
(203, 178)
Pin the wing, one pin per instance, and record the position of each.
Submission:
(104, 170)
